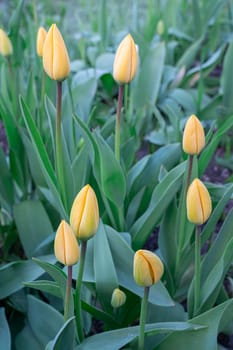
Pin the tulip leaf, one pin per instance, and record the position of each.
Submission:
(208, 152)
(112, 177)
(162, 196)
(5, 335)
(26, 214)
(226, 81)
(65, 338)
(149, 77)
(145, 172)
(45, 286)
(6, 181)
(40, 315)
(213, 320)
(116, 339)
(105, 274)
(13, 275)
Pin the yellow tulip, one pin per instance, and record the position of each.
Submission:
(126, 61)
(193, 136)
(41, 35)
(148, 268)
(118, 298)
(160, 27)
(55, 56)
(84, 215)
(6, 48)
(198, 203)
(66, 247)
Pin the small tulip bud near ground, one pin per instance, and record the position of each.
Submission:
(6, 48)
(55, 56)
(118, 298)
(84, 215)
(148, 268)
(193, 136)
(198, 203)
(41, 35)
(66, 247)
(126, 61)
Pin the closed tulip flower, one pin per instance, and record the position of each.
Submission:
(148, 268)
(193, 136)
(126, 61)
(55, 56)
(66, 247)
(41, 35)
(118, 298)
(198, 203)
(6, 48)
(84, 215)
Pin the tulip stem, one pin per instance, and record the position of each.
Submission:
(79, 321)
(197, 277)
(143, 318)
(118, 123)
(182, 216)
(59, 153)
(68, 293)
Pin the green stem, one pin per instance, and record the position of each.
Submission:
(182, 216)
(143, 319)
(79, 321)
(118, 123)
(197, 277)
(13, 87)
(68, 293)
(59, 153)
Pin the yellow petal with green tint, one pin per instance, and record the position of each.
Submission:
(6, 48)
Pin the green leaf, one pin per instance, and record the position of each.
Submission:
(115, 340)
(146, 86)
(111, 174)
(6, 181)
(13, 275)
(44, 320)
(64, 339)
(45, 286)
(105, 273)
(214, 320)
(5, 335)
(27, 214)
(190, 54)
(226, 81)
(162, 196)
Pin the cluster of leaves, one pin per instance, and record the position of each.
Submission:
(181, 72)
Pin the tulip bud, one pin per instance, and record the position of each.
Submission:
(66, 247)
(41, 35)
(193, 136)
(148, 268)
(198, 203)
(6, 48)
(126, 61)
(84, 215)
(118, 298)
(160, 27)
(55, 56)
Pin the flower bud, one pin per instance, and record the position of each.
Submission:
(126, 61)
(160, 27)
(148, 268)
(84, 215)
(193, 136)
(55, 56)
(66, 247)
(118, 298)
(41, 35)
(198, 203)
(6, 48)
